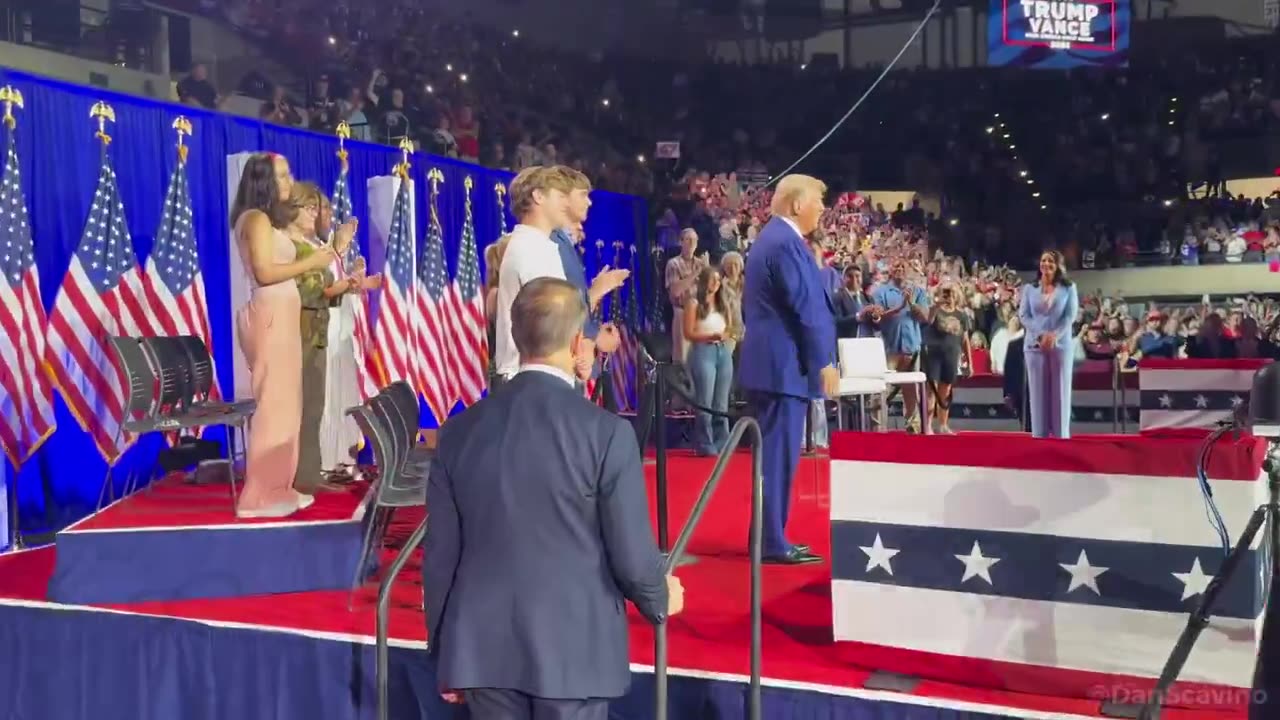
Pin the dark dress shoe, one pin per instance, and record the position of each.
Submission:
(802, 548)
(795, 557)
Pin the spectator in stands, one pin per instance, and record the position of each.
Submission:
(443, 141)
(1211, 341)
(279, 109)
(1160, 339)
(856, 315)
(705, 322)
(195, 89)
(731, 277)
(1255, 344)
(906, 306)
(681, 279)
(946, 345)
(1047, 309)
(466, 130)
(394, 126)
(323, 112)
(1096, 343)
(352, 110)
(1002, 339)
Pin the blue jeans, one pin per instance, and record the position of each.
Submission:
(711, 366)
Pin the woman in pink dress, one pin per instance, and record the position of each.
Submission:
(268, 329)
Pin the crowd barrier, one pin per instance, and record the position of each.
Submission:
(1103, 400)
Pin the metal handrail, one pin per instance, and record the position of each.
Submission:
(757, 496)
(384, 609)
(740, 428)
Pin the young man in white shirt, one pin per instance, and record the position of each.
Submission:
(540, 201)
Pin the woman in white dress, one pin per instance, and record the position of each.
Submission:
(340, 437)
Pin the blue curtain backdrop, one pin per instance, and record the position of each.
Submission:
(60, 160)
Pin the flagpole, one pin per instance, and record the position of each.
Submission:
(15, 512)
(500, 191)
(11, 97)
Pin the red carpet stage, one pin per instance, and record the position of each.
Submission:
(303, 655)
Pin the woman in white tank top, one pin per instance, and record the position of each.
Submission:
(710, 360)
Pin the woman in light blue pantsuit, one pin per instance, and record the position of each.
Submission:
(1047, 309)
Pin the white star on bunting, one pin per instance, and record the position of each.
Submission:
(1166, 401)
(976, 565)
(1194, 582)
(1083, 574)
(1202, 402)
(879, 556)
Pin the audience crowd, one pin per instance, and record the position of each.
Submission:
(1114, 166)
(871, 259)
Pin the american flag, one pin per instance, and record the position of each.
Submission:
(467, 322)
(172, 281)
(26, 397)
(435, 378)
(394, 331)
(342, 212)
(101, 296)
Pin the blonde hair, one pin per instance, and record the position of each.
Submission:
(577, 177)
(307, 194)
(304, 194)
(792, 189)
(493, 260)
(536, 179)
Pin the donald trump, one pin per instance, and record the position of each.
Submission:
(789, 349)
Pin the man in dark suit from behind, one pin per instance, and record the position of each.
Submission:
(538, 531)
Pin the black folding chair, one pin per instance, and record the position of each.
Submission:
(185, 374)
(391, 489)
(141, 406)
(406, 421)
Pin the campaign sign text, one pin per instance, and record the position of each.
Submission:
(1058, 34)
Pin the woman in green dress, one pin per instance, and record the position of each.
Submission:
(320, 292)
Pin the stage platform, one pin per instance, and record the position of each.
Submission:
(301, 656)
(176, 541)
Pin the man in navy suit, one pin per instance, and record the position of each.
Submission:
(789, 350)
(539, 529)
